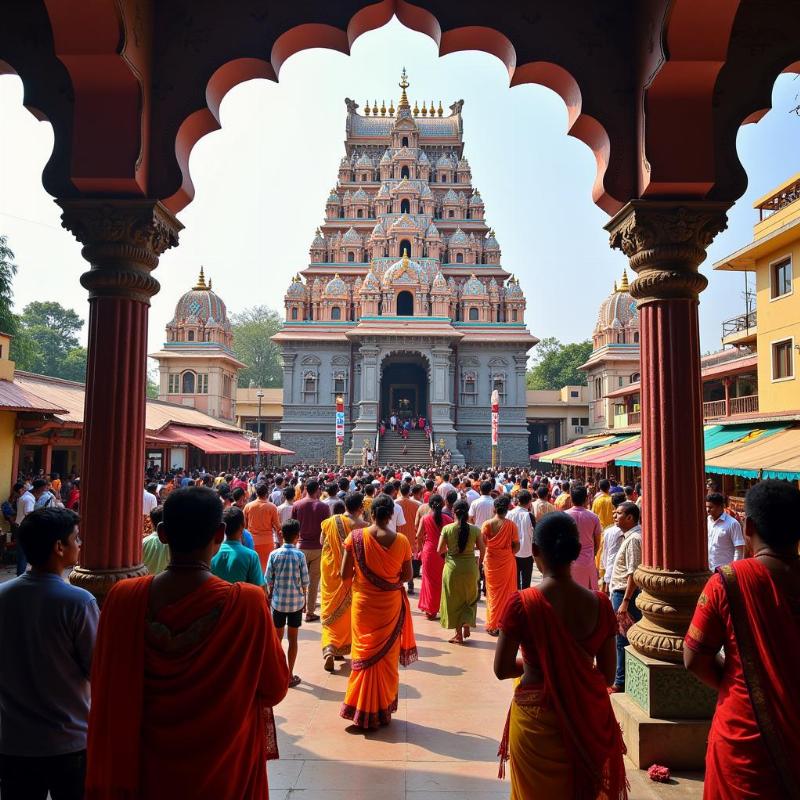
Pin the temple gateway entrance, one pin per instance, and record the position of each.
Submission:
(404, 387)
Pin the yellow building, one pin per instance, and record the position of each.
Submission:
(773, 329)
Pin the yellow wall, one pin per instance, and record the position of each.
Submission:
(776, 320)
(8, 421)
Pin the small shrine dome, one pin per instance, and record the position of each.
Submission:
(403, 271)
(335, 287)
(296, 288)
(513, 289)
(458, 238)
(473, 287)
(200, 305)
(491, 242)
(618, 310)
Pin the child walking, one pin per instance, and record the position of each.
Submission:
(287, 581)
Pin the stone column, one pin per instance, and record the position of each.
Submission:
(122, 241)
(441, 390)
(366, 425)
(665, 244)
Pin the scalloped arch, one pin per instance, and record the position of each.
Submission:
(582, 126)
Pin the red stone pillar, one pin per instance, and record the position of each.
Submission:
(666, 243)
(122, 241)
(726, 382)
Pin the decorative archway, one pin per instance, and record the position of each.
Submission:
(405, 304)
(404, 385)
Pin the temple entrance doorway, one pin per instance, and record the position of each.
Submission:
(404, 387)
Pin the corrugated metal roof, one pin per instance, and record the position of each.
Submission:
(16, 398)
(68, 399)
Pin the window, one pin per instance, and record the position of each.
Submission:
(574, 421)
(451, 213)
(782, 361)
(404, 173)
(636, 377)
(341, 213)
(514, 315)
(405, 247)
(309, 387)
(360, 214)
(636, 337)
(226, 385)
(174, 383)
(404, 142)
(573, 393)
(405, 304)
(351, 256)
(190, 336)
(459, 258)
(584, 420)
(619, 381)
(405, 206)
(598, 388)
(444, 178)
(620, 337)
(473, 314)
(336, 313)
(469, 389)
(499, 386)
(202, 384)
(294, 312)
(339, 384)
(781, 278)
(187, 384)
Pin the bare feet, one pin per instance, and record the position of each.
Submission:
(493, 631)
(329, 662)
(465, 631)
(456, 639)
(294, 681)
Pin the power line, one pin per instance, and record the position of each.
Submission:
(30, 221)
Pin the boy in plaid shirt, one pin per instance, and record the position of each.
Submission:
(287, 581)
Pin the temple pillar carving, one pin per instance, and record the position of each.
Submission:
(665, 243)
(122, 241)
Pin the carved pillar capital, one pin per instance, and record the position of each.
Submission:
(665, 243)
(122, 240)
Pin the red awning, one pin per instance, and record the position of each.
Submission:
(215, 442)
(604, 456)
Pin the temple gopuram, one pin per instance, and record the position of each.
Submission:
(405, 306)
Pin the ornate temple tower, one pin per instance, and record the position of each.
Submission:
(404, 303)
(614, 361)
(196, 365)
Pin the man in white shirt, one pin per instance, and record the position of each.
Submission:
(725, 537)
(482, 509)
(470, 495)
(285, 508)
(398, 518)
(26, 502)
(276, 496)
(520, 515)
(149, 501)
(445, 487)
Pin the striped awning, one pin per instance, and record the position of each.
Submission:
(555, 455)
(601, 457)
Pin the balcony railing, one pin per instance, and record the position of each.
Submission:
(634, 418)
(741, 323)
(738, 405)
(778, 201)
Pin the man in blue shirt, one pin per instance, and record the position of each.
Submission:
(47, 634)
(234, 562)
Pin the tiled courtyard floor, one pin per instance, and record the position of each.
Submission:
(442, 742)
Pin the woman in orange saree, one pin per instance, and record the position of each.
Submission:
(379, 562)
(561, 735)
(751, 609)
(336, 594)
(168, 718)
(499, 567)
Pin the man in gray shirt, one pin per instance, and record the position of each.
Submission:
(47, 635)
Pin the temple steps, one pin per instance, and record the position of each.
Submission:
(417, 448)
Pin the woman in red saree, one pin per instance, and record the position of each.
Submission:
(185, 672)
(428, 532)
(751, 608)
(378, 561)
(499, 567)
(561, 735)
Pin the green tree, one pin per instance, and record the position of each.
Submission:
(252, 345)
(48, 341)
(556, 364)
(8, 269)
(152, 384)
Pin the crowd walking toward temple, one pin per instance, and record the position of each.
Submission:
(145, 700)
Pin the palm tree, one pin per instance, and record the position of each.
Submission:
(8, 269)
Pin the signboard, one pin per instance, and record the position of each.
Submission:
(339, 421)
(495, 416)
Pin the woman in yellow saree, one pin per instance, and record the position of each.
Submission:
(336, 593)
(378, 561)
(500, 566)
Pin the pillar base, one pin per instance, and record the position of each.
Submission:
(100, 581)
(677, 744)
(666, 691)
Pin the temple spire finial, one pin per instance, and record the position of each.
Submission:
(404, 84)
(201, 280)
(624, 286)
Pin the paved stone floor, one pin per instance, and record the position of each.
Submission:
(442, 742)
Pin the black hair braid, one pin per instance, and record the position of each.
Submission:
(461, 510)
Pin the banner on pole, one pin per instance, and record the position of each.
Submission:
(495, 417)
(339, 421)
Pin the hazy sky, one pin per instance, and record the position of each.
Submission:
(263, 179)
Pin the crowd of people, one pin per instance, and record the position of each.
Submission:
(238, 561)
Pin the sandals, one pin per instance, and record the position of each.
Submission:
(294, 681)
(465, 631)
(329, 663)
(456, 640)
(493, 631)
